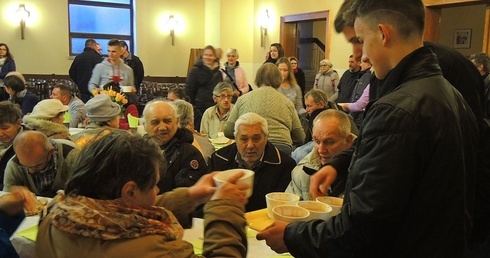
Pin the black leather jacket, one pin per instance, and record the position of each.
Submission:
(413, 165)
(185, 163)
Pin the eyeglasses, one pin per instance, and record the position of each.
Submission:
(39, 167)
(323, 65)
(222, 97)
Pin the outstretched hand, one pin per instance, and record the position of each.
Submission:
(203, 189)
(232, 190)
(274, 236)
(321, 181)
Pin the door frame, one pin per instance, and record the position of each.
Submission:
(288, 31)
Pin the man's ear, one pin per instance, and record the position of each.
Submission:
(385, 33)
(350, 139)
(128, 190)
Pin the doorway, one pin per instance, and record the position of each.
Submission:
(306, 36)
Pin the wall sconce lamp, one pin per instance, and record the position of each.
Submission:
(172, 24)
(263, 28)
(22, 15)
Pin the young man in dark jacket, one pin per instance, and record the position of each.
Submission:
(416, 148)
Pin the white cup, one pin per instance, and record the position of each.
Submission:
(334, 202)
(247, 178)
(127, 89)
(318, 210)
(290, 213)
(279, 198)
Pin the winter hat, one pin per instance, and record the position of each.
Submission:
(47, 109)
(101, 108)
(18, 75)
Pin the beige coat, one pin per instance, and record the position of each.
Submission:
(224, 225)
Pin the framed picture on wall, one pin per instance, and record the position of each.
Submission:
(462, 38)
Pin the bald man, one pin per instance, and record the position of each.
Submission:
(42, 165)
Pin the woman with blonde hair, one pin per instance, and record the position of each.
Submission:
(289, 87)
(234, 74)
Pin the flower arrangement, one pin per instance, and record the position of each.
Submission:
(116, 97)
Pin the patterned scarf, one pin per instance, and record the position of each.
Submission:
(113, 219)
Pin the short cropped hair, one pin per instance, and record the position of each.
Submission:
(90, 43)
(65, 89)
(222, 86)
(327, 62)
(251, 119)
(186, 112)
(107, 164)
(114, 43)
(407, 16)
(481, 59)
(232, 50)
(9, 112)
(268, 75)
(342, 117)
(157, 101)
(318, 96)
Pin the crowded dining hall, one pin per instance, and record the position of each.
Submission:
(203, 128)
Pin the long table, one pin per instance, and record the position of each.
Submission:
(26, 248)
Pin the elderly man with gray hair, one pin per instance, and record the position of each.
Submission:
(327, 80)
(185, 164)
(214, 118)
(252, 150)
(331, 135)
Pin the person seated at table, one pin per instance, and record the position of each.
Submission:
(331, 135)
(11, 216)
(110, 207)
(252, 150)
(128, 105)
(179, 93)
(185, 162)
(103, 117)
(47, 118)
(186, 118)
(316, 101)
(42, 165)
(214, 118)
(10, 126)
(284, 126)
(76, 107)
(15, 86)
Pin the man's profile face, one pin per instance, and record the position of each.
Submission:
(114, 53)
(372, 47)
(354, 65)
(160, 122)
(56, 94)
(350, 36)
(311, 105)
(250, 141)
(328, 140)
